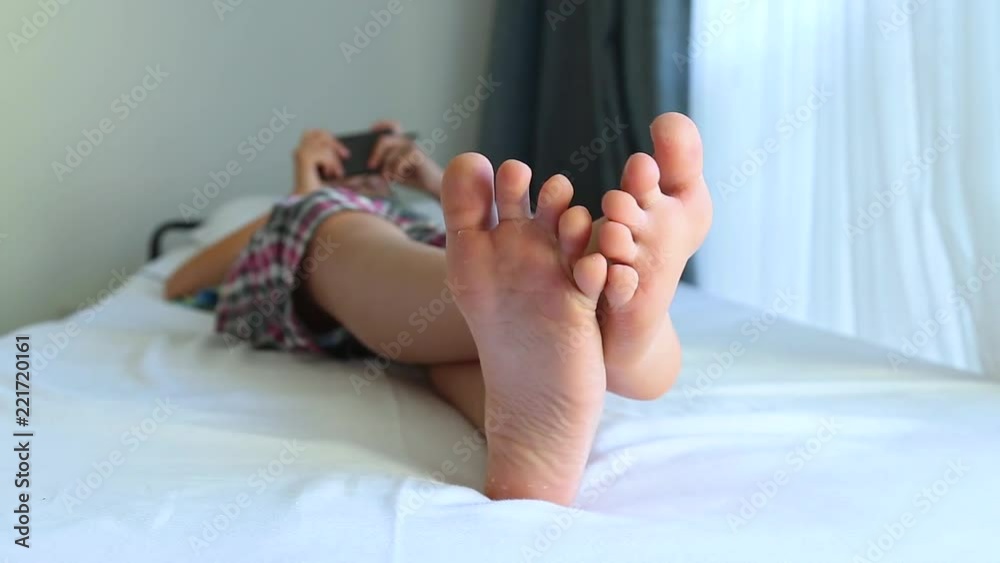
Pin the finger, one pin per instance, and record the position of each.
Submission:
(310, 139)
(311, 134)
(317, 150)
(390, 125)
(316, 136)
(340, 148)
(383, 146)
(327, 163)
(397, 162)
(318, 139)
(408, 160)
(391, 168)
(332, 168)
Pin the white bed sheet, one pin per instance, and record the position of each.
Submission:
(349, 470)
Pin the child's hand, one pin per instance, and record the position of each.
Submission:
(402, 161)
(318, 156)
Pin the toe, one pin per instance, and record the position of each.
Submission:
(467, 193)
(679, 156)
(574, 232)
(590, 274)
(616, 244)
(622, 282)
(641, 179)
(513, 180)
(621, 207)
(553, 201)
(678, 153)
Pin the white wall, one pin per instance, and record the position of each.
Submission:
(61, 242)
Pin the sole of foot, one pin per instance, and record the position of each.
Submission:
(655, 222)
(529, 296)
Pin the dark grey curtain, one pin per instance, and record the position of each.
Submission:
(580, 82)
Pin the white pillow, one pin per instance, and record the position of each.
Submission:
(230, 216)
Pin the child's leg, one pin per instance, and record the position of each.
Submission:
(387, 290)
(462, 385)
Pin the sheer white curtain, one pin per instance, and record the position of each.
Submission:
(853, 150)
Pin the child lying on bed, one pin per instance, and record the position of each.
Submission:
(523, 319)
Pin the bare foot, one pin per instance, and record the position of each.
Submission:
(530, 298)
(654, 224)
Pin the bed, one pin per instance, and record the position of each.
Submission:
(155, 440)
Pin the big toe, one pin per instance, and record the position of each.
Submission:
(467, 193)
(679, 156)
(678, 151)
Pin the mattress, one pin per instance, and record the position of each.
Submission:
(154, 440)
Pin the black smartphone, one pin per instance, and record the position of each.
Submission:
(361, 146)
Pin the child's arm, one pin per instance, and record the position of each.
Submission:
(403, 161)
(209, 267)
(318, 151)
